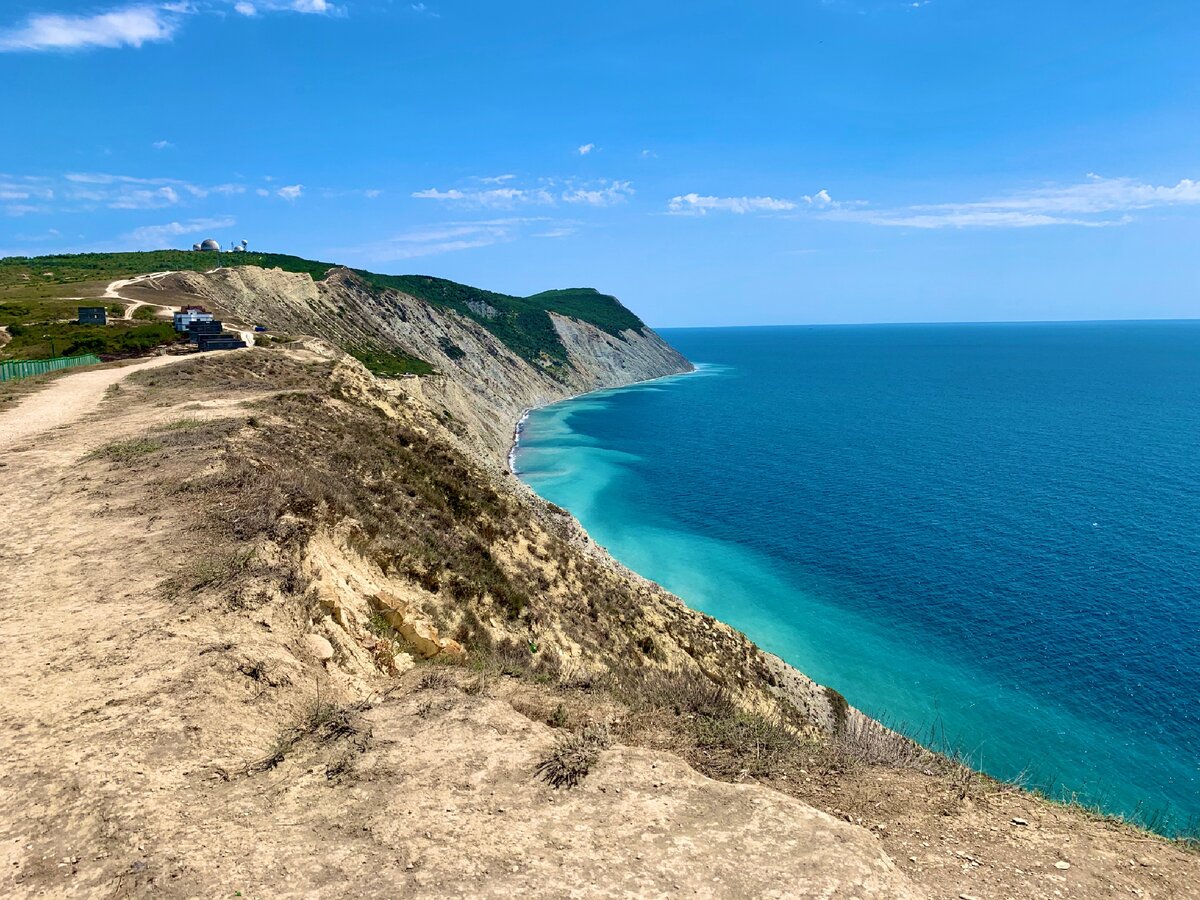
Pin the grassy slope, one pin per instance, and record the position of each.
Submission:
(29, 292)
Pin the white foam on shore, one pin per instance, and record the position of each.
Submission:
(697, 369)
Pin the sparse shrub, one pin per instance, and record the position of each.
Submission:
(435, 679)
(863, 741)
(573, 757)
(126, 452)
(839, 707)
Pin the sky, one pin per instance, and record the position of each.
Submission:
(710, 163)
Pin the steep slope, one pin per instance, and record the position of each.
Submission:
(485, 374)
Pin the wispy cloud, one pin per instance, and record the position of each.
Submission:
(492, 197)
(697, 205)
(546, 192)
(129, 27)
(154, 237)
(605, 195)
(586, 149)
(1094, 203)
(291, 191)
(448, 237)
(162, 145)
(135, 25)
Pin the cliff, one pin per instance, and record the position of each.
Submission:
(483, 382)
(280, 627)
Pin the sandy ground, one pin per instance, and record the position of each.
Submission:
(64, 401)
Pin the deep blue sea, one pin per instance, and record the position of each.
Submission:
(986, 535)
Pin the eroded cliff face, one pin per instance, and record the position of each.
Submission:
(480, 384)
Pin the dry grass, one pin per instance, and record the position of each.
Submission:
(574, 756)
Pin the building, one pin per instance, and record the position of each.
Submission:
(209, 244)
(219, 342)
(196, 329)
(189, 314)
(93, 315)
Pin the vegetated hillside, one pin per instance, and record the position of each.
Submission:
(492, 364)
(522, 324)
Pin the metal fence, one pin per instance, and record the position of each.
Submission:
(23, 368)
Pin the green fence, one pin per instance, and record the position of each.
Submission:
(23, 368)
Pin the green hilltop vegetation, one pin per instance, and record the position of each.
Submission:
(30, 294)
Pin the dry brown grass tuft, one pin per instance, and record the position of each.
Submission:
(573, 756)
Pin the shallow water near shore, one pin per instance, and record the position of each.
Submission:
(986, 535)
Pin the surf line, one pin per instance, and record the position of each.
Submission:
(519, 428)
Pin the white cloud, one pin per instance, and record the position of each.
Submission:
(129, 27)
(291, 191)
(262, 192)
(23, 209)
(1095, 202)
(144, 199)
(546, 192)
(372, 193)
(820, 198)
(154, 237)
(162, 145)
(136, 24)
(560, 232)
(586, 149)
(696, 205)
(503, 197)
(614, 192)
(449, 237)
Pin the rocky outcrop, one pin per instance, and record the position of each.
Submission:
(481, 384)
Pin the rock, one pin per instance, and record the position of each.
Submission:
(1062, 864)
(1019, 822)
(452, 649)
(318, 647)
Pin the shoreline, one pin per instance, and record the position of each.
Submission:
(519, 426)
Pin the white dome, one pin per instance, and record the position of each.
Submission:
(210, 244)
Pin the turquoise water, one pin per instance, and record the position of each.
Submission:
(988, 535)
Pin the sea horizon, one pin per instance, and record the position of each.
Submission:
(664, 328)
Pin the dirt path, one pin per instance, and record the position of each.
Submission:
(65, 400)
(113, 292)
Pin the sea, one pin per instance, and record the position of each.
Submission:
(984, 535)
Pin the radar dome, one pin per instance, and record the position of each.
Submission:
(210, 244)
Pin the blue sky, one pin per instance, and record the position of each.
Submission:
(710, 163)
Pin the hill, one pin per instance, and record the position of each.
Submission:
(523, 324)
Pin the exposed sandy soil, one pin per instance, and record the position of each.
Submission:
(65, 400)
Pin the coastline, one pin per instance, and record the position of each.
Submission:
(519, 426)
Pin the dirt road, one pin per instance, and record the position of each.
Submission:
(65, 400)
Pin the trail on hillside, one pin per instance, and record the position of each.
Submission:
(65, 400)
(113, 292)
